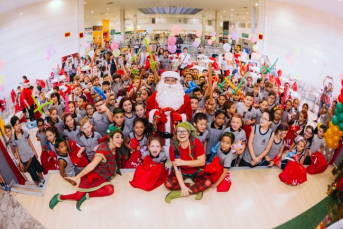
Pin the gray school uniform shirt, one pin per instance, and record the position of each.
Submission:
(249, 114)
(142, 141)
(129, 121)
(215, 135)
(73, 134)
(317, 143)
(246, 88)
(59, 124)
(24, 149)
(42, 138)
(77, 117)
(225, 157)
(125, 130)
(257, 98)
(91, 119)
(239, 135)
(69, 168)
(285, 116)
(275, 149)
(161, 157)
(90, 143)
(274, 125)
(210, 117)
(258, 116)
(45, 108)
(204, 136)
(60, 108)
(101, 123)
(260, 143)
(82, 113)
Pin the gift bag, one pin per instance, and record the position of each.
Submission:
(78, 162)
(149, 175)
(214, 169)
(247, 130)
(293, 174)
(48, 161)
(290, 136)
(318, 163)
(135, 158)
(225, 185)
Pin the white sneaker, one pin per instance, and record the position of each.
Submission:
(40, 185)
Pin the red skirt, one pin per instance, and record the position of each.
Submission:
(92, 182)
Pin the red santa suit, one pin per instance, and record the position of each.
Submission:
(168, 116)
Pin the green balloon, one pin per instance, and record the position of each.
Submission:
(339, 107)
(340, 117)
(335, 120)
(336, 112)
(340, 126)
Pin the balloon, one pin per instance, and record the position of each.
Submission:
(255, 47)
(90, 38)
(254, 56)
(88, 45)
(2, 79)
(48, 56)
(148, 30)
(336, 138)
(296, 51)
(198, 40)
(176, 29)
(230, 41)
(334, 120)
(196, 44)
(172, 48)
(198, 33)
(91, 53)
(147, 40)
(213, 33)
(213, 38)
(339, 106)
(116, 53)
(335, 145)
(328, 153)
(335, 130)
(340, 117)
(114, 46)
(336, 113)
(325, 64)
(227, 47)
(117, 38)
(291, 61)
(252, 39)
(329, 132)
(330, 124)
(1, 64)
(234, 35)
(340, 98)
(2, 88)
(171, 40)
(228, 56)
(329, 143)
(340, 126)
(340, 77)
(209, 42)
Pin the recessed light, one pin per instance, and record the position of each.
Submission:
(108, 8)
(106, 14)
(210, 15)
(247, 12)
(92, 11)
(243, 17)
(20, 14)
(231, 14)
(231, 9)
(84, 2)
(256, 4)
(224, 11)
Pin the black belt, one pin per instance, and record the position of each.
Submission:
(164, 135)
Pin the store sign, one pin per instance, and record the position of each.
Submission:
(67, 34)
(245, 35)
(81, 35)
(113, 31)
(260, 36)
(225, 32)
(96, 28)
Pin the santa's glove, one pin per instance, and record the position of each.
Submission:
(160, 117)
(176, 116)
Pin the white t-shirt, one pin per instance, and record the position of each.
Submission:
(184, 59)
(143, 58)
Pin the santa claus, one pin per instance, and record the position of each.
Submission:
(167, 106)
(26, 99)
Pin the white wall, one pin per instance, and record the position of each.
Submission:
(318, 36)
(26, 32)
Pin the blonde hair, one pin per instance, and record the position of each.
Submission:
(83, 121)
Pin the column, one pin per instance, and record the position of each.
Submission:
(217, 25)
(80, 26)
(203, 29)
(135, 26)
(122, 24)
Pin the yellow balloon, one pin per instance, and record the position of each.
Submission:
(2, 126)
(255, 47)
(230, 41)
(198, 40)
(335, 130)
(213, 38)
(2, 79)
(116, 53)
(147, 40)
(330, 124)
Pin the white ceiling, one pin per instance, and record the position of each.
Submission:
(9, 5)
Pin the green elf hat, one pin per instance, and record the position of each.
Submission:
(112, 130)
(188, 127)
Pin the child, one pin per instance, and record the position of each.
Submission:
(111, 101)
(259, 112)
(221, 100)
(51, 136)
(306, 134)
(299, 155)
(138, 134)
(257, 95)
(40, 134)
(72, 112)
(194, 106)
(301, 122)
(200, 124)
(275, 153)
(81, 101)
(95, 82)
(90, 139)
(229, 109)
(119, 118)
(140, 110)
(117, 83)
(266, 90)
(102, 117)
(66, 166)
(43, 99)
(318, 143)
(26, 153)
(215, 130)
(198, 93)
(277, 117)
(60, 107)
(236, 128)
(225, 155)
(106, 88)
(260, 142)
(155, 150)
(287, 113)
(56, 122)
(209, 109)
(295, 111)
(127, 105)
(72, 131)
(78, 93)
(90, 112)
(247, 110)
(271, 100)
(248, 87)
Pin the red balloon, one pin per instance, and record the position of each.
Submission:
(279, 73)
(342, 91)
(340, 98)
(342, 82)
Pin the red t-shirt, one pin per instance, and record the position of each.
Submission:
(237, 55)
(27, 94)
(185, 155)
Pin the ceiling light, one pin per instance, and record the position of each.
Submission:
(92, 11)
(224, 11)
(247, 12)
(108, 8)
(243, 17)
(231, 9)
(20, 14)
(256, 4)
(84, 2)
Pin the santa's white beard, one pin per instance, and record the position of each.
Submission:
(170, 95)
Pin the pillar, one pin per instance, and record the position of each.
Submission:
(217, 25)
(80, 26)
(122, 24)
(135, 26)
(253, 19)
(203, 29)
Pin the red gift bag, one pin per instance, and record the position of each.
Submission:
(290, 136)
(247, 130)
(214, 169)
(293, 174)
(225, 185)
(149, 175)
(79, 162)
(48, 161)
(135, 158)
(318, 165)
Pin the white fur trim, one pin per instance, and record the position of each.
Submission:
(171, 74)
(151, 115)
(184, 117)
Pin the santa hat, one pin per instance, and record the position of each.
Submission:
(170, 74)
(26, 83)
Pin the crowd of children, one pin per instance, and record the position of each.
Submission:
(252, 127)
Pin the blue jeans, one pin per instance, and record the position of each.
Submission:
(321, 103)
